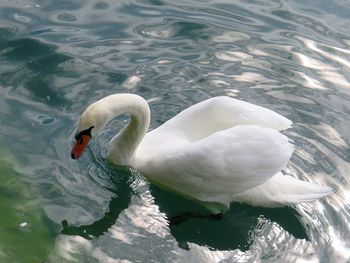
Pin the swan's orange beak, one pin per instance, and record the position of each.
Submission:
(80, 145)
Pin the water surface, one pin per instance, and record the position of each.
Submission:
(56, 57)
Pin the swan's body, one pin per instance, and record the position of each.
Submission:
(217, 151)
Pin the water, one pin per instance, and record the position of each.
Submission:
(56, 57)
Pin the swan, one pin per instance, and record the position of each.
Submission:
(218, 151)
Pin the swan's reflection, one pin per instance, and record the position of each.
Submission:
(149, 210)
(117, 204)
(234, 231)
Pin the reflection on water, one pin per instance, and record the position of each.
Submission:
(57, 57)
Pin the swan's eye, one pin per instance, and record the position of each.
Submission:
(84, 132)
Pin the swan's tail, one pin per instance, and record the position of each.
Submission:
(282, 190)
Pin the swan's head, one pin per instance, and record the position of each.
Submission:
(82, 140)
(99, 113)
(91, 121)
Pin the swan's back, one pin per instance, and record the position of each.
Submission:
(220, 113)
(206, 118)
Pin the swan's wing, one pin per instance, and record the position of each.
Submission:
(220, 113)
(225, 163)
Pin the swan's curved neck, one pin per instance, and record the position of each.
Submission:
(124, 144)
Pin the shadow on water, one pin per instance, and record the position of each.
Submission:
(234, 230)
(122, 192)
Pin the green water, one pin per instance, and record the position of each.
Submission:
(22, 221)
(57, 57)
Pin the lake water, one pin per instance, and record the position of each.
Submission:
(56, 57)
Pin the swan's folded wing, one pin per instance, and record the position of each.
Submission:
(223, 164)
(220, 113)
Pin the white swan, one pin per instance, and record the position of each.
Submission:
(217, 151)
